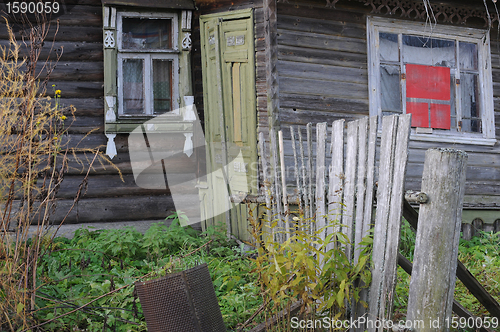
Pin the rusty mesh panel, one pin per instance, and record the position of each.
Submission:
(181, 302)
(204, 299)
(165, 304)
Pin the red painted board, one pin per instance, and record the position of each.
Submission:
(427, 82)
(419, 114)
(440, 116)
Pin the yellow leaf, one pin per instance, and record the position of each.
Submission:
(19, 307)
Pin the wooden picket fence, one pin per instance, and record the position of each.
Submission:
(344, 189)
(341, 180)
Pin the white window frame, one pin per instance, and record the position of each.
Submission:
(148, 56)
(477, 36)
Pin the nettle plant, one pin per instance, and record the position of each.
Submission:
(309, 269)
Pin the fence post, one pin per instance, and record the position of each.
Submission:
(436, 248)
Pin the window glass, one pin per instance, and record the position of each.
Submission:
(469, 101)
(133, 90)
(390, 96)
(428, 51)
(389, 48)
(468, 55)
(438, 76)
(162, 77)
(146, 34)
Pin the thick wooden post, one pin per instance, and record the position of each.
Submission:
(436, 249)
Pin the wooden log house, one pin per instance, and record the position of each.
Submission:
(253, 65)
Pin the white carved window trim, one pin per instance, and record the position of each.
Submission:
(481, 37)
(148, 56)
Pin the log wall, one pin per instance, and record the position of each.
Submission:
(322, 66)
(80, 76)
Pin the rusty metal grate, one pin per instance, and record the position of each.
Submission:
(181, 302)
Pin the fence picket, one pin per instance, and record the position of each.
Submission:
(370, 173)
(378, 297)
(303, 189)
(349, 186)
(321, 138)
(283, 185)
(296, 170)
(360, 185)
(400, 157)
(266, 176)
(310, 169)
(277, 183)
(336, 176)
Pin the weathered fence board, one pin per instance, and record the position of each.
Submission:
(303, 190)
(361, 188)
(321, 137)
(336, 176)
(296, 167)
(266, 176)
(283, 185)
(377, 294)
(393, 159)
(277, 203)
(310, 169)
(349, 184)
(370, 173)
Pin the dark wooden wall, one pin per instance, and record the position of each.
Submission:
(322, 66)
(79, 75)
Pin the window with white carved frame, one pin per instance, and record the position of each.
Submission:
(439, 74)
(147, 70)
(148, 64)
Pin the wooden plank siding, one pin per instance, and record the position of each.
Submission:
(322, 66)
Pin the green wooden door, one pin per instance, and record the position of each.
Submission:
(227, 47)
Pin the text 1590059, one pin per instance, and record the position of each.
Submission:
(32, 7)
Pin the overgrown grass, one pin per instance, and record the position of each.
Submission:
(94, 263)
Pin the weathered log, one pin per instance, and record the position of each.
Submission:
(436, 248)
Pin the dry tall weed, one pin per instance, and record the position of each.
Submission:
(34, 156)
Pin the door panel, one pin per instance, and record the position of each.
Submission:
(230, 112)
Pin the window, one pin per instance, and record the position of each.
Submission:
(439, 74)
(148, 62)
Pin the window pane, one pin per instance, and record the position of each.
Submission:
(468, 56)
(389, 49)
(162, 86)
(428, 51)
(145, 34)
(471, 121)
(390, 95)
(133, 90)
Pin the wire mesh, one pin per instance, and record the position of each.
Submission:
(181, 302)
